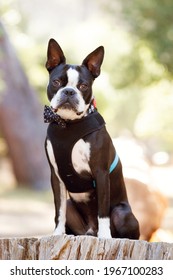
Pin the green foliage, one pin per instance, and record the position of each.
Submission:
(146, 70)
(152, 21)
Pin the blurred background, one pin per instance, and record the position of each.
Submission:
(134, 94)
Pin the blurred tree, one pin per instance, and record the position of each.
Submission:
(21, 120)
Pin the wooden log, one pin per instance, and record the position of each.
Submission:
(67, 247)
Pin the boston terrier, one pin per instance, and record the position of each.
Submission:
(86, 173)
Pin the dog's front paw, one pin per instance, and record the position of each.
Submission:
(106, 235)
(104, 228)
(59, 230)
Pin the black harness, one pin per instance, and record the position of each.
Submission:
(63, 140)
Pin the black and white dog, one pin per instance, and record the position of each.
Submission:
(86, 172)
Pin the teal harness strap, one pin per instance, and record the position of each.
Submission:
(112, 167)
(114, 163)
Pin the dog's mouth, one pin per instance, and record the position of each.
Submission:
(67, 105)
(53, 109)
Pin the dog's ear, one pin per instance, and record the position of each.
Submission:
(94, 60)
(55, 55)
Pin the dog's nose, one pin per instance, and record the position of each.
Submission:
(69, 91)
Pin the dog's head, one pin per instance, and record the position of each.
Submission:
(70, 86)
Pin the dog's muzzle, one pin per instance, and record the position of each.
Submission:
(68, 100)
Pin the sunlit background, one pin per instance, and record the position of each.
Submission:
(134, 93)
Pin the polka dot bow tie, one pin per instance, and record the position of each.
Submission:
(50, 116)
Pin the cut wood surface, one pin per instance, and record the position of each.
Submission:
(66, 247)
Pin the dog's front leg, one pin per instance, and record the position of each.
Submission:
(103, 196)
(59, 191)
(60, 200)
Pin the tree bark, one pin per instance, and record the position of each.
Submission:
(21, 119)
(67, 247)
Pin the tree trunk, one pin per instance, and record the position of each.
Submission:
(67, 247)
(21, 120)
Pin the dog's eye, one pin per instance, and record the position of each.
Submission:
(83, 87)
(57, 83)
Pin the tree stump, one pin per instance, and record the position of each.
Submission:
(68, 247)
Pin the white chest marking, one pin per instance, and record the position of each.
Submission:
(80, 161)
(81, 156)
(80, 197)
(60, 229)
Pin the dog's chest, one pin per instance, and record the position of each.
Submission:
(73, 153)
(80, 160)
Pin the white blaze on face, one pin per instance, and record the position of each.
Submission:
(73, 79)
